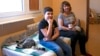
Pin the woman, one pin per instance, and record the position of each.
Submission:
(68, 28)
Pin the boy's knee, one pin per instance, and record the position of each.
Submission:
(58, 49)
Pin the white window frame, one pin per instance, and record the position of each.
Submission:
(24, 12)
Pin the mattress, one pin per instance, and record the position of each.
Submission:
(11, 50)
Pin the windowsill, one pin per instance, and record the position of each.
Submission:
(13, 14)
(15, 20)
(21, 17)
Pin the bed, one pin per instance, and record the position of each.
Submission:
(11, 50)
(9, 45)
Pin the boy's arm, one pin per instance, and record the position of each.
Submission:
(48, 30)
(56, 34)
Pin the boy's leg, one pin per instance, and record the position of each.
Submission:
(65, 47)
(52, 46)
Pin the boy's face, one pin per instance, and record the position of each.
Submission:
(48, 15)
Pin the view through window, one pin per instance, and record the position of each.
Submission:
(11, 5)
(17, 7)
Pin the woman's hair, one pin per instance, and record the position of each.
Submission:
(65, 3)
(46, 9)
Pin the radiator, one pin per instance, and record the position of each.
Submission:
(14, 25)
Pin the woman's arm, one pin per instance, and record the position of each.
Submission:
(60, 24)
(74, 20)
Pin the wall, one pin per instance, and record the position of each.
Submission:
(78, 7)
(47, 3)
(94, 5)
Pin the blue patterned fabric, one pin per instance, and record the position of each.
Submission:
(29, 51)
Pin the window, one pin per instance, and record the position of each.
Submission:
(18, 7)
(10, 5)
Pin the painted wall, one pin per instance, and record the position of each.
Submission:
(47, 3)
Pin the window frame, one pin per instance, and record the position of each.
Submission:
(25, 11)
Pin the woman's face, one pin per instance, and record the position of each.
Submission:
(66, 8)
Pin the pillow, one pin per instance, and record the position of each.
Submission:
(12, 39)
(7, 42)
(35, 37)
(78, 28)
(31, 28)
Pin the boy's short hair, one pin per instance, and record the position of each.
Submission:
(48, 9)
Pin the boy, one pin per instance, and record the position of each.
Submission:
(49, 33)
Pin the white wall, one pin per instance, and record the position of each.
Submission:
(94, 4)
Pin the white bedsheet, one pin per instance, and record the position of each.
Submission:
(9, 52)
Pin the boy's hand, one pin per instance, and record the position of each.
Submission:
(46, 39)
(50, 21)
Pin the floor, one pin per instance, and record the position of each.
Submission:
(93, 46)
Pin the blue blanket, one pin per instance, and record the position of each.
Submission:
(29, 51)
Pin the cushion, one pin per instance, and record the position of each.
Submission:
(31, 28)
(66, 40)
(12, 39)
(50, 53)
(78, 28)
(36, 38)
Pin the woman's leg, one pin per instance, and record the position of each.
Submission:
(82, 42)
(52, 46)
(65, 47)
(72, 35)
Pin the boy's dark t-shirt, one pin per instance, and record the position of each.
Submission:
(43, 24)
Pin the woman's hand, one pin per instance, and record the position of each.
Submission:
(73, 29)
